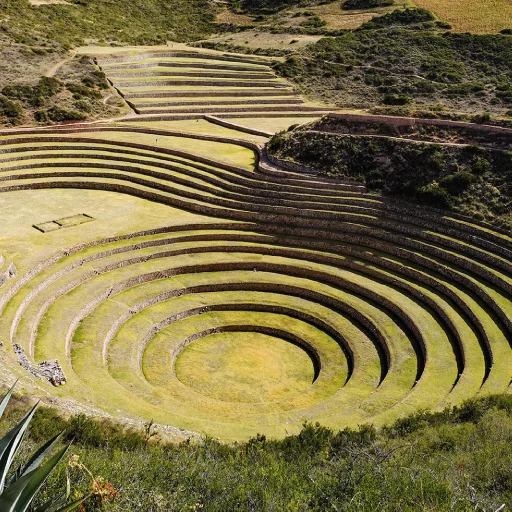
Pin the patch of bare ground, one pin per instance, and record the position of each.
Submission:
(255, 39)
(332, 13)
(24, 65)
(48, 2)
(226, 16)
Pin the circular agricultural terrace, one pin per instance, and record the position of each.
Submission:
(274, 298)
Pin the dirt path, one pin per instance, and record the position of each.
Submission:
(51, 72)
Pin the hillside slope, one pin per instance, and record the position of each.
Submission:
(405, 61)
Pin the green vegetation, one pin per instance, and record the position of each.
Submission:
(397, 18)
(390, 61)
(68, 25)
(271, 6)
(293, 258)
(422, 462)
(78, 92)
(469, 179)
(19, 487)
(10, 111)
(365, 4)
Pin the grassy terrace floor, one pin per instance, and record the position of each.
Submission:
(172, 82)
(214, 292)
(362, 312)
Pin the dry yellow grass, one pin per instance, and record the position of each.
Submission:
(226, 16)
(477, 16)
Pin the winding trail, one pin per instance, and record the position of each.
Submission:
(53, 70)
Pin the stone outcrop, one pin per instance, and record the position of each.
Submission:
(49, 370)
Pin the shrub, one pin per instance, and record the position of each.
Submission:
(48, 86)
(399, 17)
(313, 22)
(79, 91)
(83, 106)
(18, 92)
(434, 195)
(45, 88)
(396, 99)
(481, 118)
(41, 116)
(365, 4)
(58, 115)
(444, 25)
(458, 182)
(10, 109)
(481, 166)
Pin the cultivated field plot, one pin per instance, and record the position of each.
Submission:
(186, 84)
(476, 16)
(225, 297)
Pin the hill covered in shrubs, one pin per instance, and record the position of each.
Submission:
(438, 167)
(76, 22)
(406, 62)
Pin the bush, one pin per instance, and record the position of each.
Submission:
(58, 115)
(399, 17)
(48, 86)
(434, 195)
(80, 91)
(41, 116)
(396, 99)
(482, 118)
(458, 182)
(365, 4)
(18, 92)
(83, 106)
(313, 22)
(45, 88)
(10, 109)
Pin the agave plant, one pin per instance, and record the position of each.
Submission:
(18, 491)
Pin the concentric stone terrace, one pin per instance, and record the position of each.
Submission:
(279, 298)
(187, 84)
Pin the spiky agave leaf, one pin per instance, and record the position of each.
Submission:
(5, 400)
(60, 504)
(10, 444)
(36, 459)
(19, 496)
(28, 479)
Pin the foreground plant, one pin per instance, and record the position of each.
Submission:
(100, 490)
(17, 493)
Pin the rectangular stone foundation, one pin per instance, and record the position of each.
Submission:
(65, 222)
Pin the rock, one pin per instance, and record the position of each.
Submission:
(49, 370)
